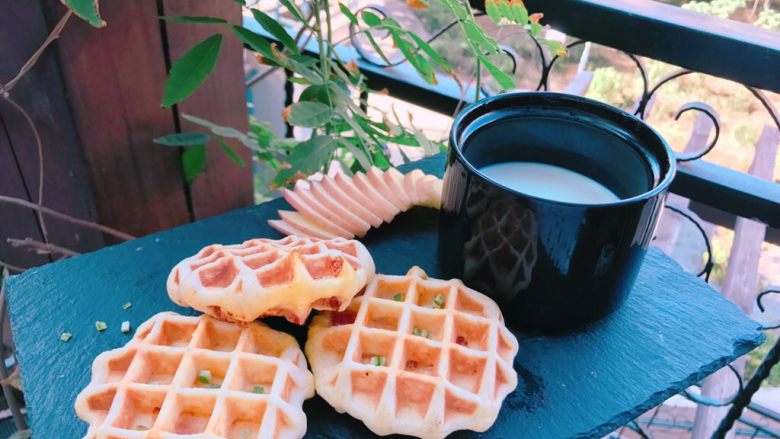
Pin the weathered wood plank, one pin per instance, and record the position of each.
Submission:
(672, 331)
(115, 78)
(41, 94)
(222, 100)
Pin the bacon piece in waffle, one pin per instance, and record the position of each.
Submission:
(413, 355)
(198, 377)
(350, 206)
(264, 277)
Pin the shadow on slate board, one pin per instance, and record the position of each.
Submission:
(672, 331)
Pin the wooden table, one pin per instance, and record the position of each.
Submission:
(673, 330)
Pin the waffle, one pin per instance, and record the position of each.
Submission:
(262, 277)
(154, 386)
(400, 365)
(349, 206)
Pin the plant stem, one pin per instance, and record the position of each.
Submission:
(62, 216)
(478, 87)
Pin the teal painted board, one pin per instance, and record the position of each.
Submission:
(672, 331)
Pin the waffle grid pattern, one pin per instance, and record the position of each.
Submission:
(262, 277)
(150, 387)
(454, 379)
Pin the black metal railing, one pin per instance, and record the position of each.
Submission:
(748, 55)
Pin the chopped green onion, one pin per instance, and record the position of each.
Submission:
(258, 390)
(66, 336)
(204, 376)
(100, 326)
(399, 297)
(438, 301)
(378, 361)
(420, 332)
(127, 305)
(214, 386)
(125, 327)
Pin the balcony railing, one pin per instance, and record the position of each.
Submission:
(745, 54)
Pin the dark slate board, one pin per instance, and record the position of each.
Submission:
(672, 331)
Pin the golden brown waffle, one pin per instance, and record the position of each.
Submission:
(198, 377)
(401, 365)
(349, 206)
(263, 277)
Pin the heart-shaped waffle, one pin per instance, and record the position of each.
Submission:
(264, 277)
(198, 377)
(349, 206)
(413, 355)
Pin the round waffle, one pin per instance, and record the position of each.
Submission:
(349, 206)
(263, 277)
(416, 356)
(199, 377)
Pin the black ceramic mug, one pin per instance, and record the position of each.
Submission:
(551, 264)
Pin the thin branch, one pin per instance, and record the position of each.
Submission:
(11, 267)
(55, 33)
(65, 217)
(40, 247)
(39, 145)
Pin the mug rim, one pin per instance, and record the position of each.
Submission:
(657, 188)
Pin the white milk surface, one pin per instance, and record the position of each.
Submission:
(549, 182)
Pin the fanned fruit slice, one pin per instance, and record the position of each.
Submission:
(416, 356)
(263, 277)
(349, 206)
(198, 377)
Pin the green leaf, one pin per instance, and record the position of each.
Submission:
(302, 68)
(193, 162)
(197, 19)
(230, 153)
(293, 8)
(492, 10)
(476, 35)
(504, 80)
(381, 161)
(358, 153)
(309, 114)
(520, 14)
(275, 29)
(350, 16)
(371, 19)
(87, 10)
(505, 9)
(189, 71)
(257, 42)
(240, 2)
(376, 47)
(319, 93)
(307, 157)
(432, 54)
(183, 139)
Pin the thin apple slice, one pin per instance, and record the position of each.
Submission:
(395, 182)
(410, 186)
(355, 223)
(305, 204)
(377, 201)
(376, 177)
(429, 190)
(351, 203)
(306, 225)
